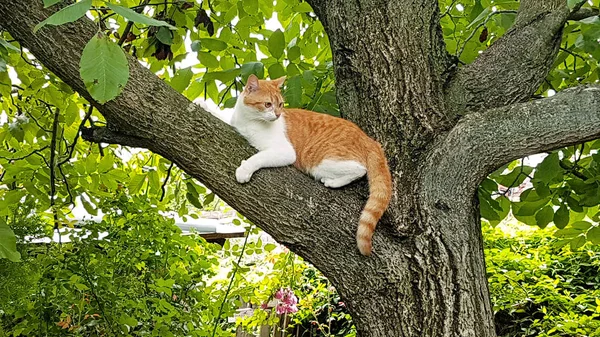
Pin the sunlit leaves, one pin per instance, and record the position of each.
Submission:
(256, 68)
(8, 243)
(67, 14)
(277, 44)
(213, 44)
(137, 17)
(103, 68)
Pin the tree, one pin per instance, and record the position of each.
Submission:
(444, 127)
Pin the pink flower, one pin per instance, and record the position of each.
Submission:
(287, 301)
(279, 294)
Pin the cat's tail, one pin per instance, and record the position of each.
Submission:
(380, 193)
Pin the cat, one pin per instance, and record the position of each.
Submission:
(334, 151)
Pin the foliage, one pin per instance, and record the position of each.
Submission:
(541, 289)
(143, 279)
(563, 189)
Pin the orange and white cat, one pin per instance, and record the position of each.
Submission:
(334, 151)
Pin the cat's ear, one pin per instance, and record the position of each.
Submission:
(279, 81)
(252, 83)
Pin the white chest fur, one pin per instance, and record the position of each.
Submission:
(262, 134)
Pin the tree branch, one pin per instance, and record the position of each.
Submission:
(584, 13)
(300, 213)
(512, 68)
(484, 141)
(388, 75)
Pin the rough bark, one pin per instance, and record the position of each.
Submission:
(390, 67)
(513, 68)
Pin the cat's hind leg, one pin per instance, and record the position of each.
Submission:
(337, 173)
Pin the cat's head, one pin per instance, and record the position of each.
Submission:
(262, 99)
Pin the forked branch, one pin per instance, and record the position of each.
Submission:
(484, 141)
(512, 69)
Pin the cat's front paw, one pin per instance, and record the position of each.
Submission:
(243, 173)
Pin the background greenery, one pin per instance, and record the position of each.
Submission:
(146, 278)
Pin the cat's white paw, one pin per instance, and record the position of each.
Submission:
(243, 173)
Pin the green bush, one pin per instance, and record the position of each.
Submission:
(143, 279)
(539, 288)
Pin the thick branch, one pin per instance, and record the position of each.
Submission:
(390, 60)
(584, 13)
(513, 68)
(300, 213)
(484, 141)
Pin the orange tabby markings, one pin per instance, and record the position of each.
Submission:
(333, 150)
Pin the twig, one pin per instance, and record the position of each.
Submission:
(226, 91)
(36, 122)
(448, 9)
(81, 126)
(64, 178)
(231, 281)
(572, 170)
(127, 29)
(163, 187)
(53, 167)
(38, 152)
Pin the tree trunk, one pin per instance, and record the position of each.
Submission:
(427, 275)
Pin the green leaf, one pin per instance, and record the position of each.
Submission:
(48, 3)
(193, 199)
(486, 210)
(208, 60)
(277, 44)
(574, 204)
(561, 217)
(567, 232)
(294, 53)
(293, 92)
(250, 6)
(88, 207)
(132, 15)
(276, 70)
(182, 79)
(529, 208)
(65, 15)
(103, 68)
(549, 168)
(269, 247)
(9, 46)
(302, 7)
(577, 242)
(136, 183)
(106, 164)
(594, 235)
(196, 45)
(208, 199)
(213, 44)
(231, 13)
(582, 225)
(153, 180)
(90, 164)
(256, 68)
(165, 36)
(8, 244)
(544, 216)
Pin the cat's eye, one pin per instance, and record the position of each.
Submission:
(268, 104)
(281, 104)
